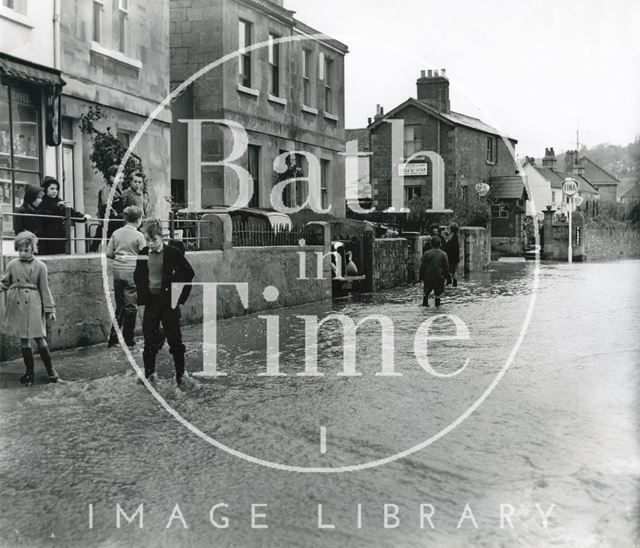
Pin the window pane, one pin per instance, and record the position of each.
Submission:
(5, 143)
(25, 130)
(122, 42)
(5, 192)
(97, 21)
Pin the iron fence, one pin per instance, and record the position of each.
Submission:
(249, 235)
(190, 231)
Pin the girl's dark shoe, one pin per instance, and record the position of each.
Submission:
(455, 282)
(27, 357)
(425, 301)
(27, 379)
(437, 301)
(46, 359)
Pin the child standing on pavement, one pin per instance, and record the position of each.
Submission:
(124, 247)
(159, 267)
(29, 304)
(434, 270)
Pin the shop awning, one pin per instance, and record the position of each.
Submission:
(11, 67)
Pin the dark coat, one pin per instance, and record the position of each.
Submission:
(175, 269)
(55, 228)
(30, 219)
(434, 265)
(452, 248)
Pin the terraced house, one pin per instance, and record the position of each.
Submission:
(59, 58)
(286, 89)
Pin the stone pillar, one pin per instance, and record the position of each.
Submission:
(414, 247)
(368, 238)
(215, 231)
(547, 231)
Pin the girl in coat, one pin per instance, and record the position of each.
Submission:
(28, 304)
(28, 217)
(53, 206)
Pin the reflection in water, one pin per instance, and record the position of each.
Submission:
(561, 428)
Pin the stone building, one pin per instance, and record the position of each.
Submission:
(30, 86)
(472, 152)
(287, 93)
(606, 183)
(545, 183)
(115, 54)
(57, 59)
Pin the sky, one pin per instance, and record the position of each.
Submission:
(535, 69)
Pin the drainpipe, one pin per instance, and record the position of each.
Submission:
(56, 65)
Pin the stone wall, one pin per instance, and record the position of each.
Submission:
(475, 249)
(83, 319)
(610, 243)
(389, 263)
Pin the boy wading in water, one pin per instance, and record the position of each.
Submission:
(434, 270)
(29, 304)
(124, 247)
(158, 267)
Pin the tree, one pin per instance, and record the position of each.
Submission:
(107, 149)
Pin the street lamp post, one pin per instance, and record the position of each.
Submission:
(569, 189)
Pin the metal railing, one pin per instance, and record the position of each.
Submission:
(248, 235)
(190, 231)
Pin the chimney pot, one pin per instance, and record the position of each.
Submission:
(443, 72)
(423, 74)
(435, 73)
(430, 72)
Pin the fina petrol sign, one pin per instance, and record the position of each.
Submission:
(570, 187)
(413, 170)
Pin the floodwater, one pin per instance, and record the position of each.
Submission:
(558, 436)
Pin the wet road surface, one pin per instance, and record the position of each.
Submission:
(561, 428)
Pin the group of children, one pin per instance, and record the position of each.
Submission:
(439, 263)
(144, 270)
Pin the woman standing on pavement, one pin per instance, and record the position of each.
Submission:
(53, 224)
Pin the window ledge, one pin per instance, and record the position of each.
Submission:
(13, 15)
(248, 91)
(115, 55)
(330, 116)
(310, 110)
(490, 163)
(279, 100)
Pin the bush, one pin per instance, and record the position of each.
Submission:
(107, 149)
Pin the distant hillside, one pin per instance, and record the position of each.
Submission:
(623, 162)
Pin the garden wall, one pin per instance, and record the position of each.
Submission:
(82, 316)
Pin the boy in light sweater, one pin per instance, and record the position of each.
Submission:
(124, 246)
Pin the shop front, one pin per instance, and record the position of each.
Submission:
(29, 121)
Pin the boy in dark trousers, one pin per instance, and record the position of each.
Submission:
(434, 270)
(452, 248)
(159, 266)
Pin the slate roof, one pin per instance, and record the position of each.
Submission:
(454, 118)
(632, 193)
(362, 136)
(507, 188)
(556, 178)
(596, 174)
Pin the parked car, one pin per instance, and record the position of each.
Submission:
(257, 223)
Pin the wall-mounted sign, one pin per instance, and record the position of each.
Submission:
(413, 170)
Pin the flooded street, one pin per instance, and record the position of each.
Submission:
(561, 428)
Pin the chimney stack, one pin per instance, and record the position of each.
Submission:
(573, 163)
(433, 89)
(549, 159)
(379, 112)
